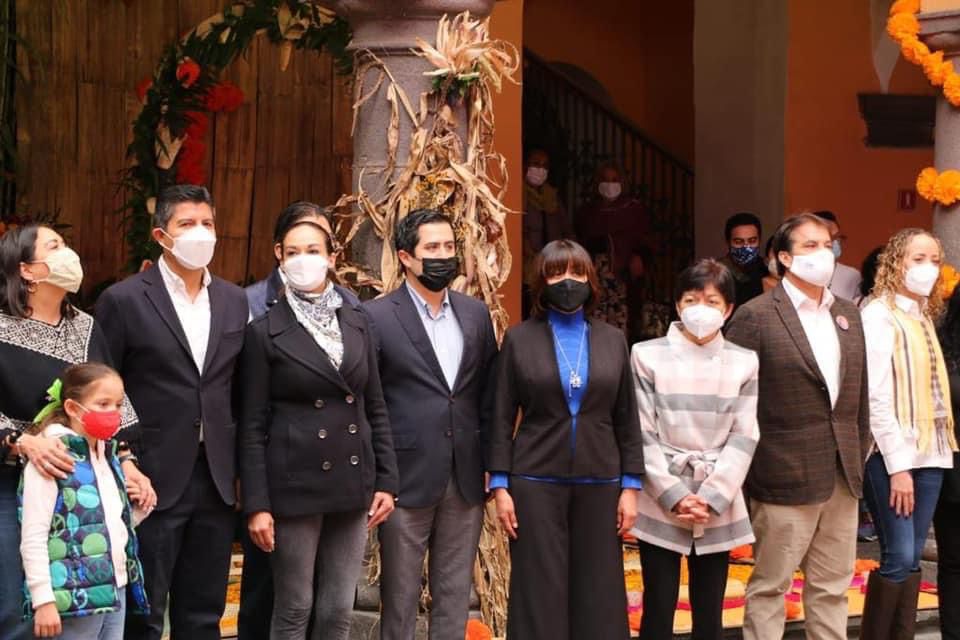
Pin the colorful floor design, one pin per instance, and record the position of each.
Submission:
(739, 574)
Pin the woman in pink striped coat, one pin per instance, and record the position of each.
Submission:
(697, 397)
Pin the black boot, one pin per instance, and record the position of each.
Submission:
(879, 607)
(905, 620)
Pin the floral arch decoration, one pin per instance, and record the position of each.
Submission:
(169, 134)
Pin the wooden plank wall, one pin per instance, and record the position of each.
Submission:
(289, 141)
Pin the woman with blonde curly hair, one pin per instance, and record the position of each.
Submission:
(911, 421)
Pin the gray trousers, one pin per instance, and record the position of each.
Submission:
(324, 549)
(451, 531)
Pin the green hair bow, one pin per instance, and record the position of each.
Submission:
(53, 395)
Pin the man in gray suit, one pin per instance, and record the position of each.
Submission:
(435, 348)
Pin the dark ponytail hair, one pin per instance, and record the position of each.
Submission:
(75, 381)
(19, 245)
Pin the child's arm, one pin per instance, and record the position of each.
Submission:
(39, 500)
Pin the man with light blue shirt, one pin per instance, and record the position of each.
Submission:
(435, 348)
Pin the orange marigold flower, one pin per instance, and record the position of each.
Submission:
(947, 189)
(935, 69)
(903, 25)
(926, 182)
(905, 6)
(914, 50)
(951, 88)
(949, 278)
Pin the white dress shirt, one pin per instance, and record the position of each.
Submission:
(194, 315)
(899, 448)
(846, 283)
(821, 332)
(444, 332)
(39, 501)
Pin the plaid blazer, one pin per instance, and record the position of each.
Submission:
(802, 440)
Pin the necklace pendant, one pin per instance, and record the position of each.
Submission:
(575, 381)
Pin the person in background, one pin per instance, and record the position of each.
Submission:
(175, 332)
(647, 318)
(256, 589)
(911, 418)
(41, 334)
(265, 293)
(742, 232)
(611, 304)
(544, 216)
(772, 279)
(846, 280)
(84, 415)
(697, 396)
(614, 217)
(435, 348)
(317, 463)
(814, 420)
(566, 479)
(946, 519)
(869, 271)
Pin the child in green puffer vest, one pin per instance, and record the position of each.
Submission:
(78, 546)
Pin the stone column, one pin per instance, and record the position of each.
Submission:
(388, 29)
(941, 32)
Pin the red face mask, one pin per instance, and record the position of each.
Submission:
(101, 425)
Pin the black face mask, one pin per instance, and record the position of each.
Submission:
(438, 272)
(567, 295)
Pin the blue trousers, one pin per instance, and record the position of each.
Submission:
(99, 626)
(12, 626)
(901, 539)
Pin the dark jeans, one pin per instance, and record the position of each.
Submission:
(661, 581)
(901, 539)
(324, 549)
(12, 626)
(256, 589)
(946, 525)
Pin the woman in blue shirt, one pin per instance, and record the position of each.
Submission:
(570, 471)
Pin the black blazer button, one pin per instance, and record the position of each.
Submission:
(354, 460)
(352, 429)
(449, 433)
(318, 404)
(349, 399)
(197, 423)
(327, 465)
(322, 434)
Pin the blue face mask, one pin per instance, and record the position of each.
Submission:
(744, 255)
(837, 249)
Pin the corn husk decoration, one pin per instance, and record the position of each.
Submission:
(466, 179)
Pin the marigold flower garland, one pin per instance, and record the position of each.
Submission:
(904, 27)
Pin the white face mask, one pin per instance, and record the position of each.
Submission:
(772, 268)
(920, 278)
(701, 320)
(536, 176)
(815, 268)
(65, 269)
(193, 248)
(610, 190)
(306, 271)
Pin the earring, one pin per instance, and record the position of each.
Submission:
(31, 286)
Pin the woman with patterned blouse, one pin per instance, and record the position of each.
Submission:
(41, 334)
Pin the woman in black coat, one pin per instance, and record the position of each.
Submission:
(565, 480)
(946, 519)
(317, 462)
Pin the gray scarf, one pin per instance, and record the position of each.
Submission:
(317, 312)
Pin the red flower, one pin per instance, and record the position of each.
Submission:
(187, 72)
(142, 87)
(190, 172)
(197, 125)
(192, 151)
(225, 96)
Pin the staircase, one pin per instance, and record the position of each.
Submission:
(579, 133)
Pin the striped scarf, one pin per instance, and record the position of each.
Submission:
(920, 384)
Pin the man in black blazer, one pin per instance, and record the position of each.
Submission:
(175, 333)
(435, 349)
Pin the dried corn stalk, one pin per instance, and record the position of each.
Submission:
(445, 172)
